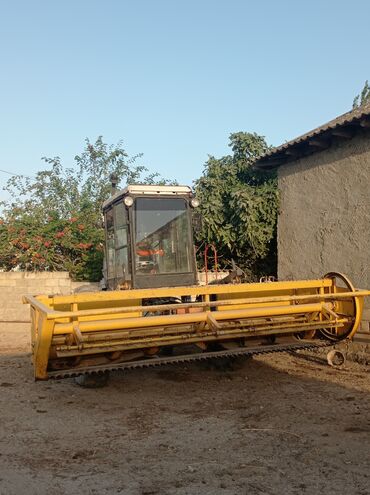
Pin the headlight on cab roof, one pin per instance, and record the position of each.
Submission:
(128, 200)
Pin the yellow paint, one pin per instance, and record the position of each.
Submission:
(91, 324)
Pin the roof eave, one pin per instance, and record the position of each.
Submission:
(314, 141)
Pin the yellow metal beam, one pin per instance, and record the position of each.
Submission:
(188, 338)
(42, 348)
(177, 329)
(124, 295)
(91, 324)
(165, 320)
(53, 315)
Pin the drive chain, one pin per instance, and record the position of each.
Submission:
(161, 361)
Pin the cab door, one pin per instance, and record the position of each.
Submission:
(118, 273)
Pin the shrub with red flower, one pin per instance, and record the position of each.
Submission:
(53, 222)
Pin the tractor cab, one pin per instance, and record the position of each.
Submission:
(149, 239)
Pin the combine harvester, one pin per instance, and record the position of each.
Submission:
(153, 313)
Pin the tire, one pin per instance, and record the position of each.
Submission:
(93, 381)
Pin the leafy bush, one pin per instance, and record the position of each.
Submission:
(53, 222)
(239, 207)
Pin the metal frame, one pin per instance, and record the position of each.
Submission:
(165, 279)
(158, 280)
(110, 325)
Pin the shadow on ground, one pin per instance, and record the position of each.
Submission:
(274, 424)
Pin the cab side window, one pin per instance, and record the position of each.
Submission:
(109, 225)
(121, 241)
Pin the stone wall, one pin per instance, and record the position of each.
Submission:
(324, 221)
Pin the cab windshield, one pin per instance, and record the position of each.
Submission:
(162, 237)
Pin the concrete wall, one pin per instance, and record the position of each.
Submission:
(324, 221)
(211, 277)
(14, 285)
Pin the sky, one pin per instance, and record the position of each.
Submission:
(172, 79)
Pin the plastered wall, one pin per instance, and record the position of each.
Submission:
(324, 220)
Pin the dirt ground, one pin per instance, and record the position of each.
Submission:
(278, 424)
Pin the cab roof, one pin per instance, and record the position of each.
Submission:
(149, 190)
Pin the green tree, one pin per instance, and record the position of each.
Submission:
(363, 97)
(53, 221)
(239, 204)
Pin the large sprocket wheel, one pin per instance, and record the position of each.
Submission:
(351, 305)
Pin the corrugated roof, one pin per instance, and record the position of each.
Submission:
(345, 126)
